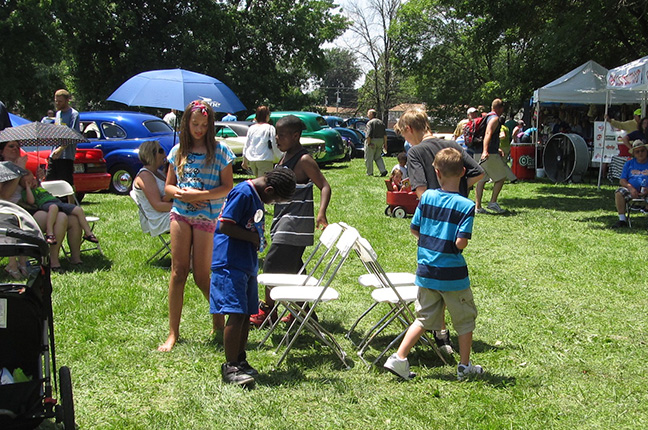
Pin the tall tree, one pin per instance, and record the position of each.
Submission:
(376, 47)
(31, 66)
(261, 49)
(468, 52)
(340, 75)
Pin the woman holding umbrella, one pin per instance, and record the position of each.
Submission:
(12, 190)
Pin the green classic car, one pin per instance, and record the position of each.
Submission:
(316, 127)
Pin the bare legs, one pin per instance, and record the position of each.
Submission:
(183, 236)
(83, 222)
(60, 227)
(479, 192)
(415, 332)
(235, 337)
(52, 214)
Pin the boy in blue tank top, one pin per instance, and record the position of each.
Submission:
(442, 224)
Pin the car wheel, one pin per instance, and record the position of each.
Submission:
(121, 179)
(349, 151)
(399, 212)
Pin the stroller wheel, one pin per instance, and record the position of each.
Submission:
(67, 401)
(399, 212)
(388, 211)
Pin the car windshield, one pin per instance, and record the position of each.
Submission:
(225, 132)
(322, 122)
(158, 126)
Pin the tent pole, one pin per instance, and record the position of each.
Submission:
(607, 102)
(536, 119)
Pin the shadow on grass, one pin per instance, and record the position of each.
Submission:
(92, 262)
(564, 198)
(605, 222)
(492, 379)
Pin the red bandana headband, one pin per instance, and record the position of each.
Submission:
(198, 105)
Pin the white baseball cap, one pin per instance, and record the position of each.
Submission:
(471, 110)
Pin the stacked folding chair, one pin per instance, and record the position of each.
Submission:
(397, 297)
(306, 275)
(302, 301)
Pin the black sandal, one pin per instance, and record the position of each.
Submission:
(91, 238)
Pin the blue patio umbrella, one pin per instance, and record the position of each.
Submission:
(175, 89)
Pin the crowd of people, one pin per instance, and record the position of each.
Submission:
(57, 219)
(216, 229)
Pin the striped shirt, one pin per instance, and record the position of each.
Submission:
(294, 221)
(440, 219)
(198, 175)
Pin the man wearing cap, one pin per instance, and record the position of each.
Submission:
(375, 142)
(634, 181)
(629, 125)
(472, 114)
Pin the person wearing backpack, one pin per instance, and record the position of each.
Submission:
(491, 160)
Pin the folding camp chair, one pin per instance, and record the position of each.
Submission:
(306, 275)
(635, 205)
(64, 189)
(398, 299)
(302, 301)
(165, 249)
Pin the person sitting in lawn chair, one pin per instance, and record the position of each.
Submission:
(634, 181)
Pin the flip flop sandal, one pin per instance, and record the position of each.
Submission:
(51, 239)
(91, 238)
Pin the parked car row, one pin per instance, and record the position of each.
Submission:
(317, 128)
(234, 134)
(109, 160)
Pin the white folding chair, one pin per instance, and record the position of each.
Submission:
(64, 189)
(302, 301)
(369, 280)
(306, 275)
(398, 298)
(165, 249)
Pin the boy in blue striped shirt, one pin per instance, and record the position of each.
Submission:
(442, 224)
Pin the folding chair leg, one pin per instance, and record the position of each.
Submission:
(364, 314)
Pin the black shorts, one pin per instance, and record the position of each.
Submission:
(283, 259)
(66, 208)
(62, 170)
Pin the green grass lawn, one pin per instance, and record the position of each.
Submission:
(561, 330)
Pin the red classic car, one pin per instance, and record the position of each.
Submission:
(90, 172)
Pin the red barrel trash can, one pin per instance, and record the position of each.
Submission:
(523, 156)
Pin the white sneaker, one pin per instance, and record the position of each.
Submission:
(399, 367)
(464, 371)
(481, 211)
(493, 206)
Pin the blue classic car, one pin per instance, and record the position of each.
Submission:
(355, 137)
(119, 135)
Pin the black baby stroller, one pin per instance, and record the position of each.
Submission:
(26, 332)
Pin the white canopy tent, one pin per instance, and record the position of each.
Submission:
(631, 79)
(586, 84)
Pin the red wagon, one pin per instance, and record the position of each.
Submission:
(400, 203)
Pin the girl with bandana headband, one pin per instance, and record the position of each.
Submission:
(200, 177)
